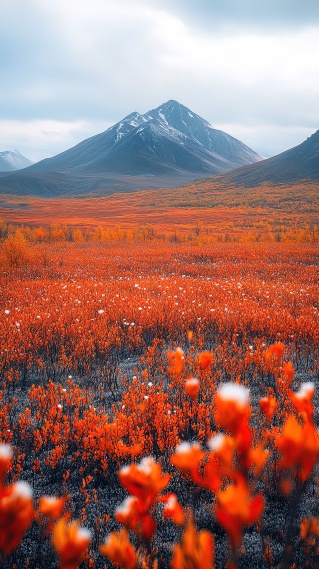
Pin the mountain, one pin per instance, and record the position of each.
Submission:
(169, 139)
(11, 160)
(294, 165)
(164, 147)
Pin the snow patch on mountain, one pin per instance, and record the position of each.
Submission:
(11, 160)
(170, 137)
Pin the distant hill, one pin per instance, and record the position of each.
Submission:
(298, 163)
(11, 160)
(166, 146)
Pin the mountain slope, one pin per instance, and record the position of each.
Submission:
(193, 126)
(165, 147)
(167, 139)
(11, 160)
(298, 163)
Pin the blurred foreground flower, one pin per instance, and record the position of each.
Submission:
(205, 359)
(51, 507)
(299, 447)
(71, 542)
(233, 412)
(144, 480)
(192, 387)
(236, 508)
(275, 351)
(16, 514)
(173, 509)
(302, 399)
(5, 460)
(196, 550)
(118, 548)
(176, 361)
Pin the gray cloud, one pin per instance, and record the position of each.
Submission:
(212, 15)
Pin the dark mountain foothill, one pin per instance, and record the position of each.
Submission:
(297, 164)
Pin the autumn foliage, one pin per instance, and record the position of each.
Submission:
(152, 389)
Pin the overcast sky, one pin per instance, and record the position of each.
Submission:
(69, 69)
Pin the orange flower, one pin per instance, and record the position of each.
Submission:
(308, 526)
(192, 387)
(257, 458)
(299, 447)
(71, 542)
(134, 514)
(205, 359)
(196, 550)
(219, 464)
(268, 406)
(288, 372)
(286, 487)
(232, 404)
(302, 399)
(118, 548)
(16, 514)
(173, 509)
(236, 509)
(212, 474)
(275, 350)
(176, 361)
(187, 456)
(129, 513)
(51, 507)
(233, 411)
(5, 460)
(223, 447)
(144, 480)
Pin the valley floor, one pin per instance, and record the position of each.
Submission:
(93, 378)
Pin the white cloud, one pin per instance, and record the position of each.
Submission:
(40, 139)
(84, 64)
(267, 139)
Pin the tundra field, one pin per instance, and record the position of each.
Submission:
(158, 389)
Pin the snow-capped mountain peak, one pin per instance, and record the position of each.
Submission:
(11, 160)
(168, 140)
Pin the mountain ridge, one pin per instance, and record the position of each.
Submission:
(293, 165)
(168, 121)
(170, 141)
